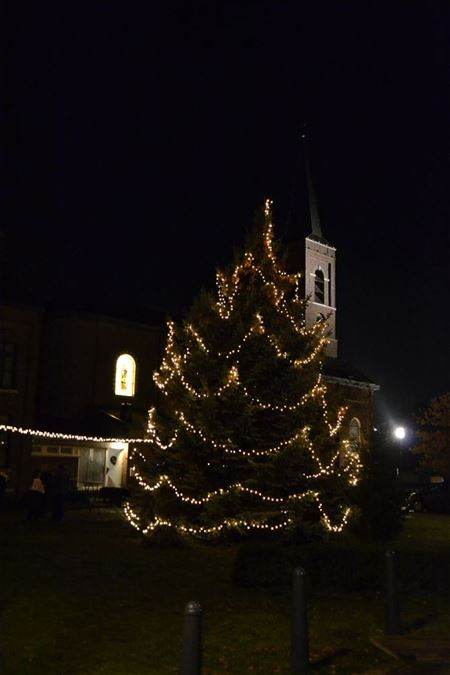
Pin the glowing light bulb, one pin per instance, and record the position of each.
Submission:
(400, 433)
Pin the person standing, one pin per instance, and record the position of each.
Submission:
(46, 478)
(36, 497)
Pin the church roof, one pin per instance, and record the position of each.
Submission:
(321, 240)
(342, 370)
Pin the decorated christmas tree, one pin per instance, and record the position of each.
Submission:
(243, 439)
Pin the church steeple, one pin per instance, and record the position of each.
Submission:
(316, 227)
(313, 210)
(320, 270)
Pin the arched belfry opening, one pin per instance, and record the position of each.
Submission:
(319, 287)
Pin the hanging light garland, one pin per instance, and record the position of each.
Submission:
(210, 496)
(236, 487)
(228, 523)
(230, 449)
(54, 435)
(351, 468)
(233, 375)
(154, 438)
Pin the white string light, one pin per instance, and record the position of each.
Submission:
(236, 487)
(151, 429)
(238, 451)
(37, 433)
(228, 523)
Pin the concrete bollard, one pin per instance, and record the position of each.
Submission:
(191, 659)
(300, 642)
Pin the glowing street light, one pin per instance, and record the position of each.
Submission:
(399, 433)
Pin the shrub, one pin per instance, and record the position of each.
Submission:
(327, 566)
(166, 538)
(339, 568)
(378, 497)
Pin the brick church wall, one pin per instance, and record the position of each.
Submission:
(358, 398)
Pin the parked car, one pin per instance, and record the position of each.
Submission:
(433, 498)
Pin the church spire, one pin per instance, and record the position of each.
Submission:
(313, 210)
(316, 227)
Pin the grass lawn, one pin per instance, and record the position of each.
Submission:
(88, 597)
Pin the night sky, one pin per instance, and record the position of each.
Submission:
(140, 138)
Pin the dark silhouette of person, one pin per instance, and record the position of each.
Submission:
(59, 489)
(36, 497)
(46, 478)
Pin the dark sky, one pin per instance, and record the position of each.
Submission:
(141, 137)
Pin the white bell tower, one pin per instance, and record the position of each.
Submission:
(320, 274)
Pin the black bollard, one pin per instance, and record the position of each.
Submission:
(393, 625)
(300, 646)
(191, 659)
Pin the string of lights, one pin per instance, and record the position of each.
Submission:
(323, 470)
(227, 290)
(151, 430)
(236, 487)
(351, 467)
(233, 374)
(228, 523)
(275, 407)
(234, 380)
(54, 435)
(238, 451)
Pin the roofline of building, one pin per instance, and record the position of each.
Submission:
(89, 315)
(312, 237)
(354, 383)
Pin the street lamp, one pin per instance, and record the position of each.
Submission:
(400, 433)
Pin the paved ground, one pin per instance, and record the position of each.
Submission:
(427, 670)
(424, 669)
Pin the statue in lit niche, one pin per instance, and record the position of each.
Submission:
(125, 375)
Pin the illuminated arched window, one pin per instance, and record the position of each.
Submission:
(125, 375)
(319, 287)
(354, 434)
